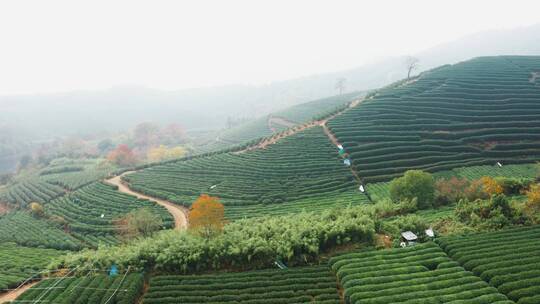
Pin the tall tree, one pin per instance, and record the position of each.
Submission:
(414, 184)
(105, 145)
(163, 153)
(146, 134)
(207, 216)
(139, 223)
(122, 156)
(491, 186)
(411, 63)
(341, 84)
(172, 134)
(36, 209)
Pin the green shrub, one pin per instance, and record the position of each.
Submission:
(513, 186)
(244, 244)
(414, 184)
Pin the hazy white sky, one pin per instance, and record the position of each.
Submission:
(49, 46)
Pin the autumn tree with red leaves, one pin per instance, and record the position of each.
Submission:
(207, 216)
(122, 156)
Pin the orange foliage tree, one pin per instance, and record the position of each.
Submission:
(491, 186)
(122, 156)
(533, 196)
(207, 216)
(448, 191)
(532, 207)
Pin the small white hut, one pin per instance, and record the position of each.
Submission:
(409, 238)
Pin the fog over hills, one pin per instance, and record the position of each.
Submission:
(120, 108)
(273, 151)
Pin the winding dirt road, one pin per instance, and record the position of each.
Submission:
(14, 294)
(179, 213)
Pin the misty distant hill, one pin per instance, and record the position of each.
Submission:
(90, 112)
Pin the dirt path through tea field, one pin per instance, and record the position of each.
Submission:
(179, 213)
(289, 132)
(14, 294)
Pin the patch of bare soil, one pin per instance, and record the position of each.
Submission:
(14, 294)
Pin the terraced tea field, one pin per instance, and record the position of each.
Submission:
(18, 263)
(91, 171)
(317, 109)
(418, 274)
(54, 180)
(456, 120)
(31, 190)
(266, 126)
(529, 171)
(314, 204)
(476, 112)
(507, 259)
(91, 289)
(21, 228)
(237, 135)
(302, 167)
(294, 285)
(91, 210)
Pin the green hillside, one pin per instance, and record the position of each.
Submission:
(234, 136)
(19, 263)
(507, 259)
(305, 166)
(316, 109)
(476, 112)
(54, 180)
(262, 127)
(418, 274)
(30, 190)
(83, 210)
(293, 200)
(21, 228)
(73, 174)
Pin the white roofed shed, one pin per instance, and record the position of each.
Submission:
(409, 237)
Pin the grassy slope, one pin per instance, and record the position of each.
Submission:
(18, 263)
(303, 171)
(473, 113)
(259, 128)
